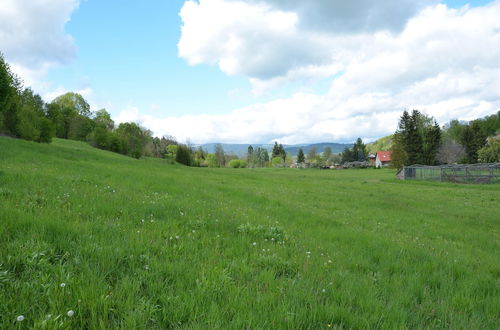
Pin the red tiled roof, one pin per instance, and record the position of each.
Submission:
(384, 156)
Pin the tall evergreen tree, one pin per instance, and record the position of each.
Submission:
(281, 152)
(250, 157)
(416, 141)
(473, 139)
(359, 152)
(300, 156)
(276, 150)
(431, 144)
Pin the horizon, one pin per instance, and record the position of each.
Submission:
(324, 71)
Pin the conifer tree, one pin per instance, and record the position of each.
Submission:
(300, 156)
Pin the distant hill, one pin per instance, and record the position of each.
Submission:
(233, 148)
(241, 149)
(320, 147)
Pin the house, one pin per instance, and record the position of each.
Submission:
(383, 159)
(371, 159)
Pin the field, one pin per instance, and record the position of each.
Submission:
(127, 243)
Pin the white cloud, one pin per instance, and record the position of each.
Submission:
(32, 36)
(276, 40)
(444, 62)
(342, 16)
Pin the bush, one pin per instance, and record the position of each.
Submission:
(277, 162)
(237, 163)
(491, 152)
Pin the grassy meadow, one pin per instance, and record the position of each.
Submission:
(126, 243)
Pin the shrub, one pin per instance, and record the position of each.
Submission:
(277, 162)
(237, 163)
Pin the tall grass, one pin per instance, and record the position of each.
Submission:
(146, 244)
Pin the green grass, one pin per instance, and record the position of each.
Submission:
(146, 244)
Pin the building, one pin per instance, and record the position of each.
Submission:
(371, 159)
(383, 159)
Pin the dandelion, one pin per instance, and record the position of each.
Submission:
(20, 318)
(254, 243)
(177, 237)
(62, 285)
(323, 290)
(70, 313)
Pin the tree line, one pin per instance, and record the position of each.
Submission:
(420, 140)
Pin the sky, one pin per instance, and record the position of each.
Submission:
(257, 71)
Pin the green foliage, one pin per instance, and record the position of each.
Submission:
(277, 162)
(327, 153)
(133, 139)
(220, 156)
(491, 152)
(382, 144)
(10, 87)
(237, 163)
(144, 244)
(22, 112)
(261, 157)
(416, 141)
(75, 102)
(278, 151)
(211, 161)
(473, 139)
(311, 155)
(183, 155)
(399, 156)
(300, 156)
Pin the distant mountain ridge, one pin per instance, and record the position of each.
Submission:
(241, 149)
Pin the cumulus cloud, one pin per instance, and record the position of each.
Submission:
(292, 39)
(341, 16)
(443, 61)
(32, 35)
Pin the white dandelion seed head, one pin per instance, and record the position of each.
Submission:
(323, 290)
(254, 243)
(62, 285)
(20, 318)
(70, 313)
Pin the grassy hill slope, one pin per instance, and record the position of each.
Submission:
(382, 144)
(144, 244)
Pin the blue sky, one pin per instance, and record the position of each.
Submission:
(127, 52)
(126, 55)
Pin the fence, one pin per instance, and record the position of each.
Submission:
(460, 173)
